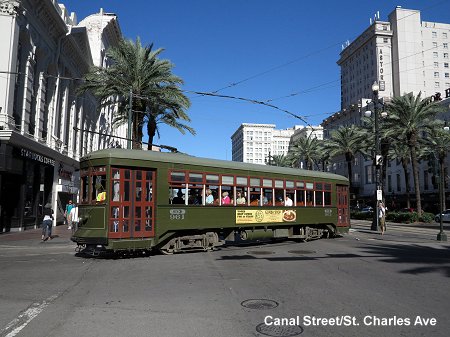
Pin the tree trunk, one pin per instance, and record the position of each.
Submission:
(407, 185)
(349, 159)
(414, 162)
(151, 130)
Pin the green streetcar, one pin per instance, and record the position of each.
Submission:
(144, 200)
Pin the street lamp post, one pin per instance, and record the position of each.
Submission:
(377, 157)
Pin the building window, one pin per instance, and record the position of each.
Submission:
(436, 64)
(446, 55)
(385, 40)
(446, 75)
(445, 65)
(436, 85)
(444, 35)
(434, 34)
(369, 174)
(445, 45)
(434, 44)
(435, 54)
(436, 74)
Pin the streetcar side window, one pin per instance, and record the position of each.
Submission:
(319, 194)
(279, 193)
(309, 194)
(195, 192)
(290, 191)
(300, 193)
(267, 192)
(177, 188)
(327, 194)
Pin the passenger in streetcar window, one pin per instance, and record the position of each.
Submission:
(254, 201)
(240, 200)
(288, 201)
(225, 199)
(195, 198)
(209, 197)
(179, 198)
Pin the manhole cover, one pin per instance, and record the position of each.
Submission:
(260, 252)
(279, 331)
(259, 304)
(302, 252)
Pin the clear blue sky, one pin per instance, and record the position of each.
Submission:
(275, 47)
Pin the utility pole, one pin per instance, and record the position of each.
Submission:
(130, 120)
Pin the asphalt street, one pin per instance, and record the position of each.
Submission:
(360, 284)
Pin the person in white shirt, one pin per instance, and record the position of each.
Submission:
(74, 217)
(288, 201)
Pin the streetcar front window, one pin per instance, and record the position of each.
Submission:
(93, 185)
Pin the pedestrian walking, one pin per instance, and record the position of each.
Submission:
(74, 217)
(67, 215)
(382, 217)
(47, 223)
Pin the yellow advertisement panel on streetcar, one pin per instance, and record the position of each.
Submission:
(248, 216)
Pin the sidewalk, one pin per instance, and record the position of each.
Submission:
(60, 234)
(398, 232)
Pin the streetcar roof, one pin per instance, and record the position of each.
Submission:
(180, 158)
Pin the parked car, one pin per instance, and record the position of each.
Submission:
(445, 216)
(368, 209)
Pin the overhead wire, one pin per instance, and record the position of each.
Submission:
(233, 84)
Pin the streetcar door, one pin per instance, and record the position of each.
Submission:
(132, 203)
(342, 206)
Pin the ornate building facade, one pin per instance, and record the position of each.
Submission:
(45, 125)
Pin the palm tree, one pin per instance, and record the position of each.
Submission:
(438, 143)
(305, 149)
(138, 72)
(278, 160)
(400, 151)
(408, 118)
(347, 141)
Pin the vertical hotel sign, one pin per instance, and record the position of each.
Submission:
(381, 81)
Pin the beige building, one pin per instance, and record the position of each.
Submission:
(256, 143)
(404, 55)
(45, 126)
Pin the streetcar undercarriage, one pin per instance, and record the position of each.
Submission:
(208, 241)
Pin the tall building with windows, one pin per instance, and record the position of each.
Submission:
(256, 143)
(404, 55)
(45, 125)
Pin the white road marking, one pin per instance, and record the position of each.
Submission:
(21, 321)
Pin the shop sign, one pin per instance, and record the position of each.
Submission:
(381, 69)
(37, 157)
(247, 216)
(64, 173)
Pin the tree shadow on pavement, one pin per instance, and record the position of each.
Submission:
(432, 259)
(423, 259)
